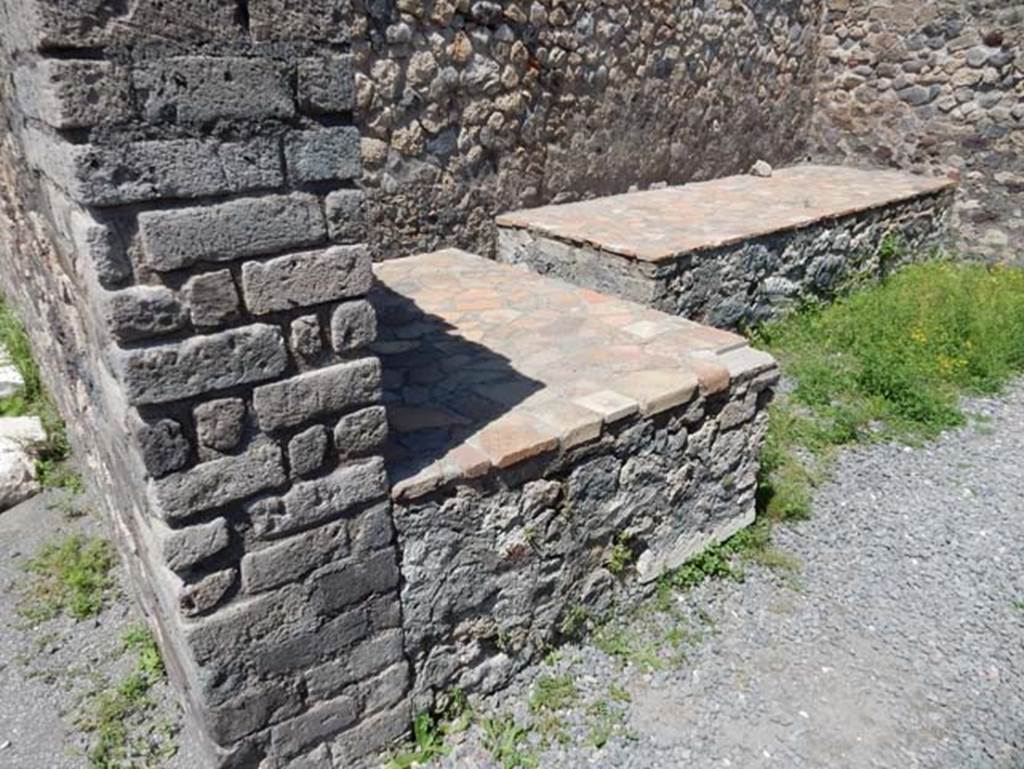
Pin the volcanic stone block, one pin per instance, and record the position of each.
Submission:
(373, 655)
(322, 499)
(346, 216)
(163, 445)
(326, 84)
(347, 582)
(361, 432)
(328, 154)
(218, 482)
(291, 559)
(212, 299)
(305, 279)
(318, 393)
(201, 89)
(219, 423)
(133, 172)
(142, 312)
(184, 548)
(307, 450)
(229, 231)
(73, 94)
(313, 20)
(205, 594)
(353, 325)
(305, 337)
(322, 720)
(201, 364)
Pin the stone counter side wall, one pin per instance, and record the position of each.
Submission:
(932, 86)
(473, 107)
(179, 228)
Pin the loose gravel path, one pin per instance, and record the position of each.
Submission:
(898, 643)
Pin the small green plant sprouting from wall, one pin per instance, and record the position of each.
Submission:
(430, 732)
(620, 555)
(71, 576)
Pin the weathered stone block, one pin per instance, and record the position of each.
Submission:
(202, 364)
(253, 710)
(184, 548)
(134, 172)
(202, 89)
(198, 598)
(229, 231)
(73, 94)
(314, 20)
(218, 482)
(328, 154)
(353, 325)
(291, 559)
(220, 423)
(316, 724)
(305, 279)
(318, 393)
(98, 247)
(373, 655)
(212, 299)
(306, 341)
(326, 84)
(375, 733)
(341, 585)
(163, 445)
(142, 312)
(307, 450)
(311, 502)
(361, 432)
(372, 529)
(346, 216)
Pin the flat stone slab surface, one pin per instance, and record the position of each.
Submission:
(488, 365)
(661, 225)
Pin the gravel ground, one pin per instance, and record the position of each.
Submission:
(50, 671)
(899, 641)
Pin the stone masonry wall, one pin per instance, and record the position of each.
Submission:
(495, 571)
(180, 230)
(472, 107)
(932, 86)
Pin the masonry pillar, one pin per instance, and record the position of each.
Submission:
(181, 231)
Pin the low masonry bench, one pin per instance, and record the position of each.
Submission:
(733, 250)
(534, 427)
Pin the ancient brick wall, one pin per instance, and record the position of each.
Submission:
(179, 227)
(471, 108)
(932, 86)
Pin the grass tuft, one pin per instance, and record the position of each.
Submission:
(33, 400)
(888, 362)
(70, 576)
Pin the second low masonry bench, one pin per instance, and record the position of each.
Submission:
(534, 425)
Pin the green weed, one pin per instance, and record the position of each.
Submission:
(33, 400)
(430, 732)
(620, 555)
(508, 742)
(71, 576)
(887, 362)
(553, 693)
(119, 717)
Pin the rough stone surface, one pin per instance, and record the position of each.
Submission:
(220, 423)
(308, 450)
(184, 548)
(143, 312)
(469, 109)
(300, 280)
(212, 299)
(163, 446)
(316, 394)
(353, 326)
(932, 86)
(361, 432)
(730, 267)
(229, 231)
(202, 364)
(329, 154)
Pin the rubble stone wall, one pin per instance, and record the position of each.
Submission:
(180, 230)
(740, 285)
(496, 571)
(932, 86)
(471, 107)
